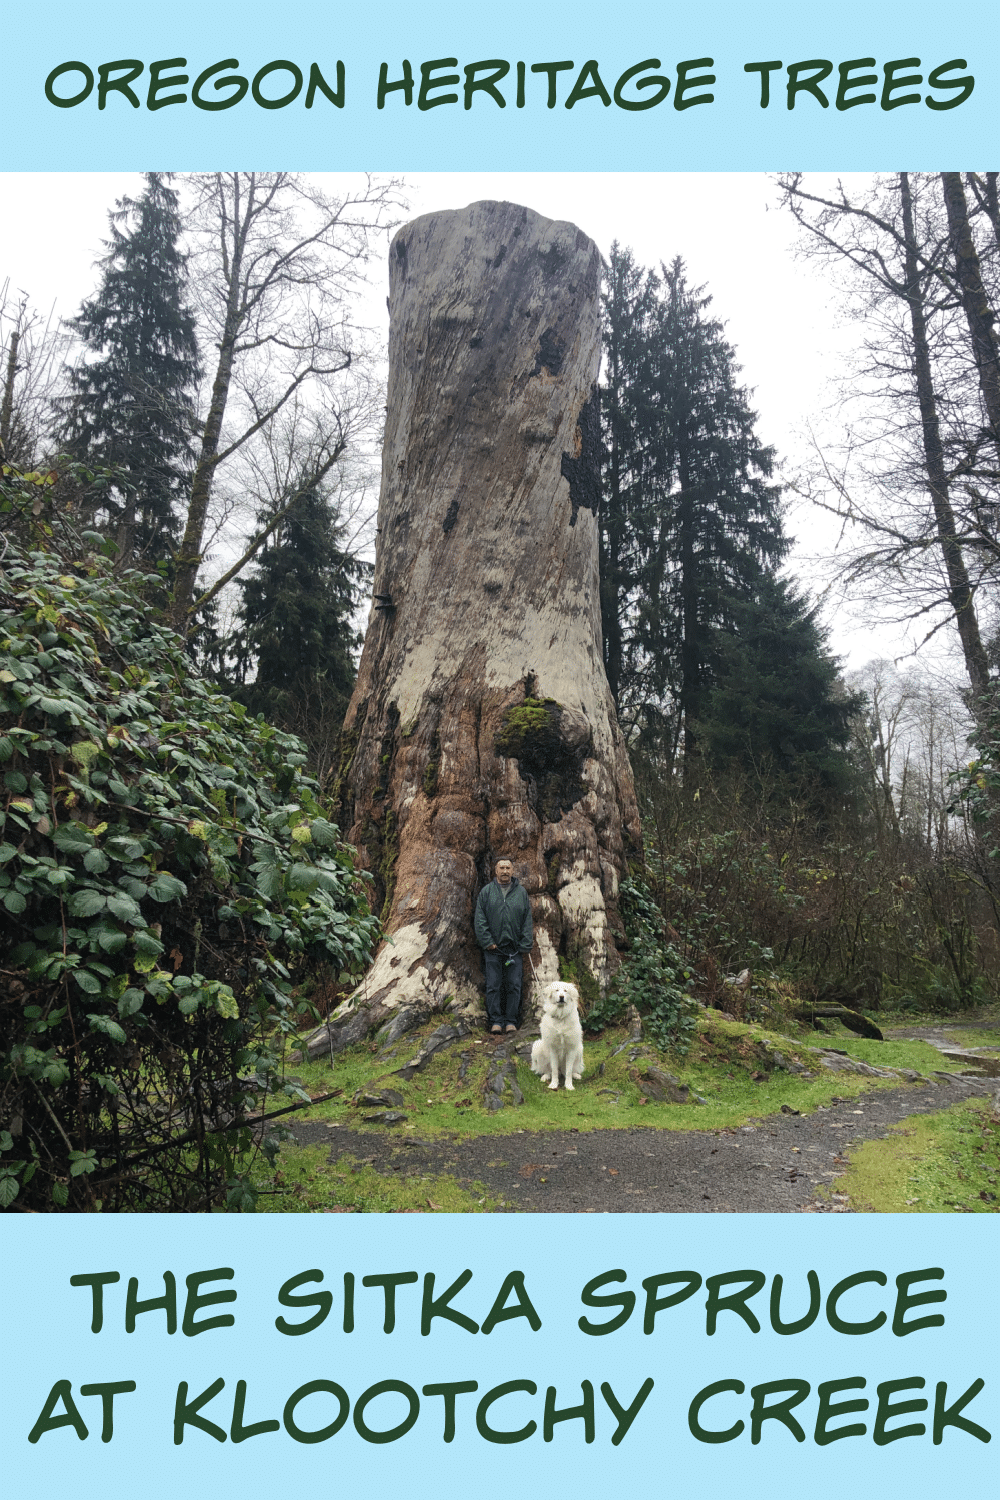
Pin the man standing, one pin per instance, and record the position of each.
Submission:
(504, 932)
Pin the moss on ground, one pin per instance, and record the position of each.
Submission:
(730, 1065)
(941, 1163)
(306, 1182)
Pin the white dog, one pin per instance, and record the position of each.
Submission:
(559, 1049)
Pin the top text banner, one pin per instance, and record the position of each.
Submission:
(198, 85)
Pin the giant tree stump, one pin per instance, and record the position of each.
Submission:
(482, 723)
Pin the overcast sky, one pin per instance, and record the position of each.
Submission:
(780, 313)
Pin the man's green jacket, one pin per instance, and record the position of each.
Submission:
(504, 920)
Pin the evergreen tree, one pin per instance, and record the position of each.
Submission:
(776, 710)
(131, 406)
(629, 308)
(295, 639)
(689, 516)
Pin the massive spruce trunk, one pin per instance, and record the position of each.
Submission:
(482, 723)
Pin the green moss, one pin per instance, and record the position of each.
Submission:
(306, 1181)
(387, 750)
(530, 733)
(941, 1163)
(527, 724)
(338, 783)
(440, 1103)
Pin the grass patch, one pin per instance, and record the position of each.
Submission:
(306, 1182)
(893, 1053)
(941, 1163)
(974, 1037)
(730, 1065)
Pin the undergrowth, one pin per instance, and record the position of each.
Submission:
(167, 869)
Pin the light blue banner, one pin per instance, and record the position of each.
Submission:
(938, 1327)
(891, 106)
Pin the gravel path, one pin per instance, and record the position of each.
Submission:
(775, 1166)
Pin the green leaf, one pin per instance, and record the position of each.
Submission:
(123, 848)
(8, 1191)
(112, 940)
(7, 851)
(167, 887)
(147, 943)
(269, 883)
(60, 1194)
(73, 838)
(225, 1004)
(125, 909)
(130, 1002)
(96, 861)
(14, 902)
(107, 1026)
(89, 983)
(86, 903)
(324, 834)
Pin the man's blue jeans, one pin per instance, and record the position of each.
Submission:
(503, 988)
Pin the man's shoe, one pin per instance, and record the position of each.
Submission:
(511, 1028)
(496, 1030)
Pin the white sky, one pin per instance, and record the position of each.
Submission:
(781, 316)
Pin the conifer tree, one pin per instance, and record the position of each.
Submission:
(701, 524)
(776, 710)
(295, 637)
(629, 307)
(131, 403)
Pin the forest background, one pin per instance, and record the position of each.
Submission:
(199, 443)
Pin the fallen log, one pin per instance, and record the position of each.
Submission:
(852, 1019)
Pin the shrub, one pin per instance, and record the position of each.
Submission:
(166, 873)
(654, 976)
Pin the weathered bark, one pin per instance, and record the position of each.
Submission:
(978, 313)
(960, 593)
(482, 723)
(7, 406)
(189, 556)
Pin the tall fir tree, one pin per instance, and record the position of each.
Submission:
(689, 516)
(629, 306)
(294, 641)
(131, 406)
(777, 712)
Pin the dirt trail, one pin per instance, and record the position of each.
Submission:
(776, 1166)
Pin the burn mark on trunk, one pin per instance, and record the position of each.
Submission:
(551, 352)
(451, 516)
(583, 470)
(552, 770)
